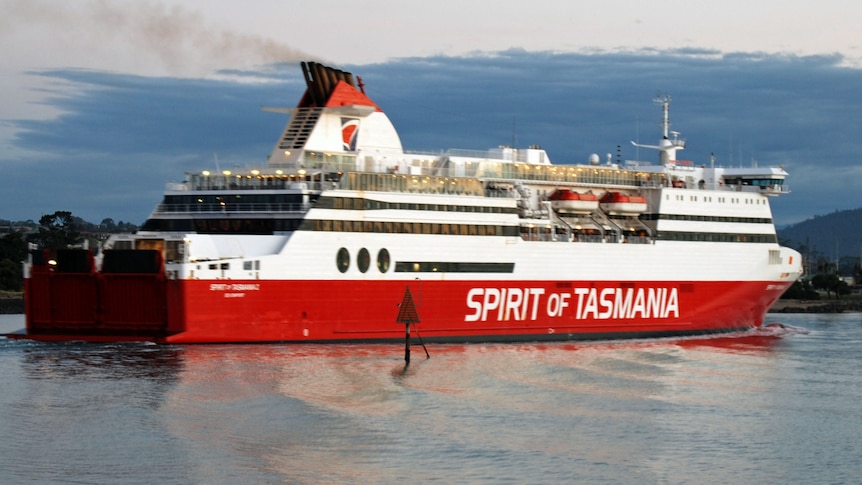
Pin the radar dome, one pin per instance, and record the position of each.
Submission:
(594, 159)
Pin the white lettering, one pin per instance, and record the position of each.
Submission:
(654, 301)
(472, 303)
(623, 304)
(606, 303)
(553, 304)
(580, 292)
(564, 303)
(639, 305)
(536, 293)
(524, 303)
(234, 287)
(672, 304)
(502, 304)
(245, 287)
(492, 301)
(513, 303)
(592, 305)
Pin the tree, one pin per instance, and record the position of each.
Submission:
(13, 251)
(108, 225)
(58, 231)
(800, 290)
(11, 275)
(827, 282)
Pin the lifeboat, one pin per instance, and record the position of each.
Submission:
(571, 202)
(622, 204)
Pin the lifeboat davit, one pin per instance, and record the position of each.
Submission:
(571, 202)
(623, 204)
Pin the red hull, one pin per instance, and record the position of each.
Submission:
(196, 311)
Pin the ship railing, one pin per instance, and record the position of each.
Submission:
(464, 153)
(198, 208)
(637, 240)
(219, 183)
(589, 238)
(574, 174)
(379, 182)
(775, 189)
(760, 189)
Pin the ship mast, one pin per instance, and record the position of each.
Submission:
(670, 142)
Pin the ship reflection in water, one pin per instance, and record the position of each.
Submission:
(728, 409)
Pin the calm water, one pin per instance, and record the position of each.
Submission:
(773, 407)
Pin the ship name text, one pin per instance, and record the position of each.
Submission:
(519, 304)
(234, 290)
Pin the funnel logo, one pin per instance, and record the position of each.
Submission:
(349, 132)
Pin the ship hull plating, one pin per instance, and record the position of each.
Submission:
(196, 311)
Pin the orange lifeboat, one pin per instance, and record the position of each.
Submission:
(623, 204)
(571, 202)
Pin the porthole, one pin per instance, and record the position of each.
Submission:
(363, 260)
(343, 260)
(383, 260)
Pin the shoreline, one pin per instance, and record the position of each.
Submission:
(817, 306)
(11, 302)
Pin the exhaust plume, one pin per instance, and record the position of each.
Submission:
(139, 36)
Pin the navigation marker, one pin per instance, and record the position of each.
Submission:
(407, 314)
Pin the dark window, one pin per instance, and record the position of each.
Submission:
(383, 260)
(363, 260)
(342, 260)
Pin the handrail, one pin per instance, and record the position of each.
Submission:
(198, 208)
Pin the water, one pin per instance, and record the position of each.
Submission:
(777, 406)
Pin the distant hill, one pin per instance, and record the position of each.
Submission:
(823, 234)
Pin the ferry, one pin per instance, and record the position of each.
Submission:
(342, 235)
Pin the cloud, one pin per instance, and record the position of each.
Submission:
(137, 37)
(121, 136)
(797, 111)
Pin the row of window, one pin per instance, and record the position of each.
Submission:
(766, 182)
(222, 226)
(268, 226)
(386, 227)
(425, 184)
(721, 200)
(702, 218)
(367, 204)
(363, 260)
(452, 267)
(715, 237)
(292, 198)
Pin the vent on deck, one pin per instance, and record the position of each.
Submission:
(299, 129)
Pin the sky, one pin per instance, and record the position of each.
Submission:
(104, 101)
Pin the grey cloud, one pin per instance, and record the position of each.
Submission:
(132, 133)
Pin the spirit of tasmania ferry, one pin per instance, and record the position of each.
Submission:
(342, 235)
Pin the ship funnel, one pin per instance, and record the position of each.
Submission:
(322, 80)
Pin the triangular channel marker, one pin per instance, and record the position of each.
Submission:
(407, 312)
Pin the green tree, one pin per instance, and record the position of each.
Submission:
(801, 290)
(13, 251)
(58, 230)
(827, 282)
(11, 275)
(108, 225)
